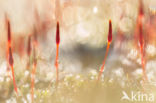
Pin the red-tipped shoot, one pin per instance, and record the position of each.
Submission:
(10, 57)
(57, 50)
(33, 70)
(110, 32)
(141, 38)
(108, 45)
(58, 33)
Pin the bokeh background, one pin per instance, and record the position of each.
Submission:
(83, 33)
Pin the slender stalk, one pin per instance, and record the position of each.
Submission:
(102, 67)
(57, 50)
(33, 70)
(32, 81)
(107, 50)
(56, 63)
(14, 82)
(10, 56)
(141, 38)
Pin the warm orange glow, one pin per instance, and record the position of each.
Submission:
(102, 68)
(56, 62)
(57, 49)
(108, 45)
(141, 38)
(9, 54)
(33, 70)
(32, 81)
(14, 82)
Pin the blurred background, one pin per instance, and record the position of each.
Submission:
(83, 37)
(83, 31)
